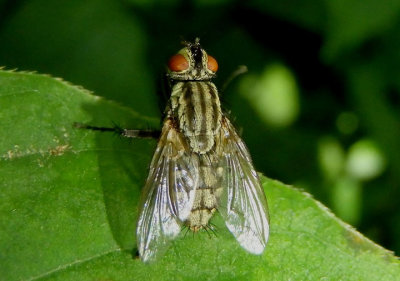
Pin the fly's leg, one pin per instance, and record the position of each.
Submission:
(153, 134)
(239, 71)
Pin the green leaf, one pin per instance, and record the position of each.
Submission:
(68, 204)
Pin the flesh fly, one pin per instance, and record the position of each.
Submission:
(200, 165)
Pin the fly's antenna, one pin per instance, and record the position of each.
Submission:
(189, 44)
(186, 43)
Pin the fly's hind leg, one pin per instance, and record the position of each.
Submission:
(127, 133)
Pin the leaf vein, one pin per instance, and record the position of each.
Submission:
(77, 262)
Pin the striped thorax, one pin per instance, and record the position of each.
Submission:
(196, 106)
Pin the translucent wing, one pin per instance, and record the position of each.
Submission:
(242, 204)
(168, 194)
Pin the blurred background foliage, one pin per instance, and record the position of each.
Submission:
(318, 108)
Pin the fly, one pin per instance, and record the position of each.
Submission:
(200, 165)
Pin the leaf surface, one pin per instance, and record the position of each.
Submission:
(68, 204)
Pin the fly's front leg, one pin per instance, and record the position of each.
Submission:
(241, 69)
(153, 134)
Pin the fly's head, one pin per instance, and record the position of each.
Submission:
(192, 63)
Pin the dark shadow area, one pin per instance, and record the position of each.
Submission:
(123, 167)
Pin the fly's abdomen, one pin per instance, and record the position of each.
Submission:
(206, 195)
(197, 108)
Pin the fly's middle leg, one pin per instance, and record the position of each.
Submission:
(127, 133)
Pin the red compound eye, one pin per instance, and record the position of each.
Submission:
(178, 63)
(212, 64)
